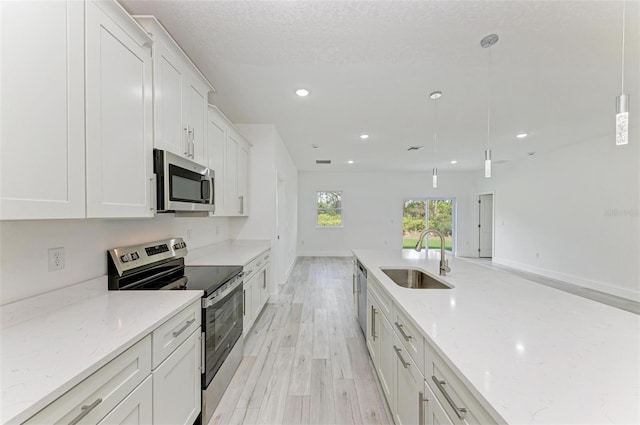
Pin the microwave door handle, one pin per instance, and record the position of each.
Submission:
(211, 183)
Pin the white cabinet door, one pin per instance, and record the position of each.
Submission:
(176, 385)
(42, 102)
(387, 362)
(231, 202)
(433, 412)
(135, 409)
(256, 296)
(118, 113)
(168, 83)
(266, 277)
(408, 390)
(217, 136)
(243, 177)
(196, 97)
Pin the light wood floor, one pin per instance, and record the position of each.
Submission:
(305, 360)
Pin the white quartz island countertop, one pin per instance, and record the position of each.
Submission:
(52, 342)
(229, 253)
(530, 353)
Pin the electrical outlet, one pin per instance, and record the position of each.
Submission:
(56, 259)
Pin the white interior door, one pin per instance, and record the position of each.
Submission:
(485, 206)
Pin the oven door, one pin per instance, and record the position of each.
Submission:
(183, 185)
(222, 320)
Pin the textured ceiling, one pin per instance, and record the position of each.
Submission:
(370, 66)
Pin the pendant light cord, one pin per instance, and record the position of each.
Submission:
(624, 7)
(435, 129)
(489, 101)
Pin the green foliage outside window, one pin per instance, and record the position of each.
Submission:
(329, 209)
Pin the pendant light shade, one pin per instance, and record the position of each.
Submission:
(435, 178)
(487, 163)
(622, 119)
(435, 96)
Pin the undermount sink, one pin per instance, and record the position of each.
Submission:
(413, 279)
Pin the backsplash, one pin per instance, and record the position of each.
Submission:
(24, 247)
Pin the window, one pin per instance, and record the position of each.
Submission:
(436, 213)
(329, 209)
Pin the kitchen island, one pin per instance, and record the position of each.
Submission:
(528, 353)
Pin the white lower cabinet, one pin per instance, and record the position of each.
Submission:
(136, 409)
(386, 367)
(255, 289)
(408, 389)
(176, 385)
(432, 412)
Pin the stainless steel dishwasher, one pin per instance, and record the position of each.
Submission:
(362, 297)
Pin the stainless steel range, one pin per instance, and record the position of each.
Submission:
(159, 266)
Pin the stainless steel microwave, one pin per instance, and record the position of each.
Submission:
(182, 185)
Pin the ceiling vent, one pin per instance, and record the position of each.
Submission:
(414, 148)
(323, 161)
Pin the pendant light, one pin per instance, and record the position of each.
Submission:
(435, 96)
(622, 101)
(485, 43)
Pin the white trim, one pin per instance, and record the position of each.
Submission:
(346, 253)
(586, 283)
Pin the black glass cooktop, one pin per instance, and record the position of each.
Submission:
(209, 278)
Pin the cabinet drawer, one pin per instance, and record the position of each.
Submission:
(453, 393)
(92, 399)
(385, 303)
(136, 409)
(168, 336)
(256, 264)
(411, 338)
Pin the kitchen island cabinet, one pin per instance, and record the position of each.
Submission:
(508, 350)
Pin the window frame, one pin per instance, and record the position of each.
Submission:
(317, 208)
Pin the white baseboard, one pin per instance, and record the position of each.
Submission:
(325, 254)
(576, 280)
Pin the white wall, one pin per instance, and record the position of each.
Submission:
(269, 160)
(572, 214)
(372, 214)
(24, 245)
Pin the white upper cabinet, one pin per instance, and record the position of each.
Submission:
(42, 102)
(180, 96)
(119, 115)
(217, 136)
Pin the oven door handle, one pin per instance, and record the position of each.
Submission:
(208, 302)
(182, 282)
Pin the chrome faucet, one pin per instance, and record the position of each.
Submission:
(444, 263)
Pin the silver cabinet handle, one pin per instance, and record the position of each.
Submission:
(421, 401)
(353, 284)
(373, 322)
(461, 412)
(153, 194)
(186, 141)
(241, 198)
(244, 301)
(184, 328)
(404, 363)
(404, 335)
(84, 411)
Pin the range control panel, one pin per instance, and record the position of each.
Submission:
(132, 257)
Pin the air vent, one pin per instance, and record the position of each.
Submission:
(323, 161)
(414, 148)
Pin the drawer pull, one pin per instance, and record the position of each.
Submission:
(373, 322)
(405, 364)
(401, 329)
(421, 401)
(184, 328)
(85, 411)
(460, 411)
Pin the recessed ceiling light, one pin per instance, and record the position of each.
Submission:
(522, 135)
(435, 94)
(364, 136)
(350, 161)
(302, 92)
(453, 161)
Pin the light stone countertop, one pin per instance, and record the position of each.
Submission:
(530, 353)
(45, 354)
(228, 253)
